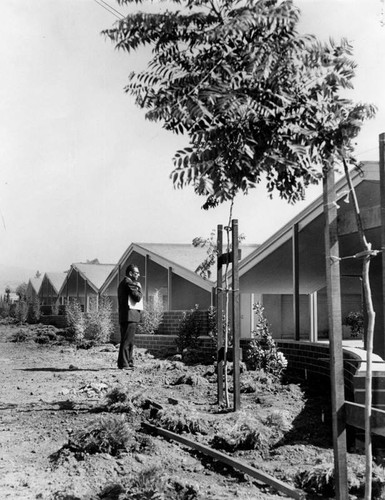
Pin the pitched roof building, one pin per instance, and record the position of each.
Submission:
(83, 282)
(297, 252)
(170, 269)
(33, 287)
(50, 287)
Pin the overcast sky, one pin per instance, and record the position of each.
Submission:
(83, 174)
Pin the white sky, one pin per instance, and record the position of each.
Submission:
(82, 175)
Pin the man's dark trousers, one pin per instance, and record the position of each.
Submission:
(126, 349)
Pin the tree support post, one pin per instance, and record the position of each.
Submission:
(220, 346)
(335, 336)
(382, 191)
(236, 317)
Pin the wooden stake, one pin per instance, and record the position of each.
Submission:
(335, 336)
(220, 345)
(236, 318)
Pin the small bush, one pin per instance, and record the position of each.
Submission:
(151, 484)
(212, 324)
(120, 400)
(110, 435)
(21, 311)
(5, 308)
(152, 315)
(355, 319)
(98, 322)
(190, 379)
(75, 320)
(19, 336)
(263, 353)
(36, 309)
(181, 420)
(245, 434)
(319, 479)
(189, 331)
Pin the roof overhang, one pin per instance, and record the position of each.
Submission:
(304, 218)
(162, 261)
(72, 270)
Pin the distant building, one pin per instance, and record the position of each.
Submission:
(169, 269)
(33, 287)
(50, 287)
(83, 282)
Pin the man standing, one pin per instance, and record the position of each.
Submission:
(130, 303)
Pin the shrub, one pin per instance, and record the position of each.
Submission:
(34, 310)
(19, 336)
(21, 311)
(152, 315)
(98, 321)
(355, 320)
(263, 353)
(189, 330)
(5, 308)
(212, 324)
(319, 479)
(151, 484)
(246, 433)
(120, 399)
(181, 420)
(110, 435)
(75, 320)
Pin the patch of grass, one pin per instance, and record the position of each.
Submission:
(121, 399)
(20, 336)
(191, 379)
(244, 434)
(150, 484)
(110, 435)
(177, 419)
(281, 420)
(319, 479)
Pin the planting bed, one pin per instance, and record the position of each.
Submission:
(71, 426)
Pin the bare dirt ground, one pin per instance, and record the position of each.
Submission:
(50, 391)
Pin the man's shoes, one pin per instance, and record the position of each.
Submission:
(130, 368)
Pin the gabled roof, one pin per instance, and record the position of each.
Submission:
(56, 279)
(183, 258)
(370, 172)
(35, 283)
(94, 274)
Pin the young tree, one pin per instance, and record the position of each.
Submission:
(256, 99)
(21, 291)
(253, 96)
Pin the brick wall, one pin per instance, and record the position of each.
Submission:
(170, 324)
(312, 361)
(58, 321)
(165, 344)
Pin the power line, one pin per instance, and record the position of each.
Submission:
(108, 9)
(112, 8)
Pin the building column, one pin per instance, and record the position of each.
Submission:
(169, 288)
(146, 262)
(85, 296)
(295, 267)
(313, 299)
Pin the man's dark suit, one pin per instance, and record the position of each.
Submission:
(128, 320)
